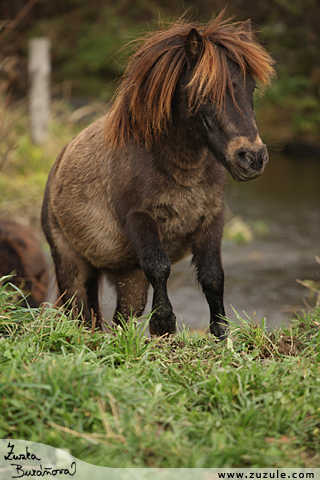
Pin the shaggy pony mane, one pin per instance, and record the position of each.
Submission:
(142, 107)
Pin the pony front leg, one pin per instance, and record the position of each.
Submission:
(207, 260)
(143, 235)
(163, 320)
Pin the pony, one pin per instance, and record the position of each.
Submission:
(144, 186)
(20, 253)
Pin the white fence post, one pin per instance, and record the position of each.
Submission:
(39, 96)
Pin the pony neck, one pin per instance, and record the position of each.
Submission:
(183, 164)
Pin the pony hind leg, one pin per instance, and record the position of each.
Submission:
(77, 280)
(132, 293)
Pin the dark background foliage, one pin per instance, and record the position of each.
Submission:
(88, 37)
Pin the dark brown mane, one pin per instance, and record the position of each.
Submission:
(142, 108)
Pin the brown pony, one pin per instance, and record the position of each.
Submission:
(144, 186)
(20, 253)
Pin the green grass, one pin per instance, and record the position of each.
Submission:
(123, 400)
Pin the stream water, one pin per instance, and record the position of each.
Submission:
(260, 277)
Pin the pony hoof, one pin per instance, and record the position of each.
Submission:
(162, 326)
(219, 329)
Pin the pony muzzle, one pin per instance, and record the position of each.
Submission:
(248, 163)
(246, 157)
(251, 159)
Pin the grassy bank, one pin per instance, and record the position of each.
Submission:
(121, 400)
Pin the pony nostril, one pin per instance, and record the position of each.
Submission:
(263, 156)
(250, 159)
(244, 157)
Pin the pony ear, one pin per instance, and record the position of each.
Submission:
(193, 44)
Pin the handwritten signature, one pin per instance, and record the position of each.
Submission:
(38, 471)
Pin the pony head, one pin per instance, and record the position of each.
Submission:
(201, 79)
